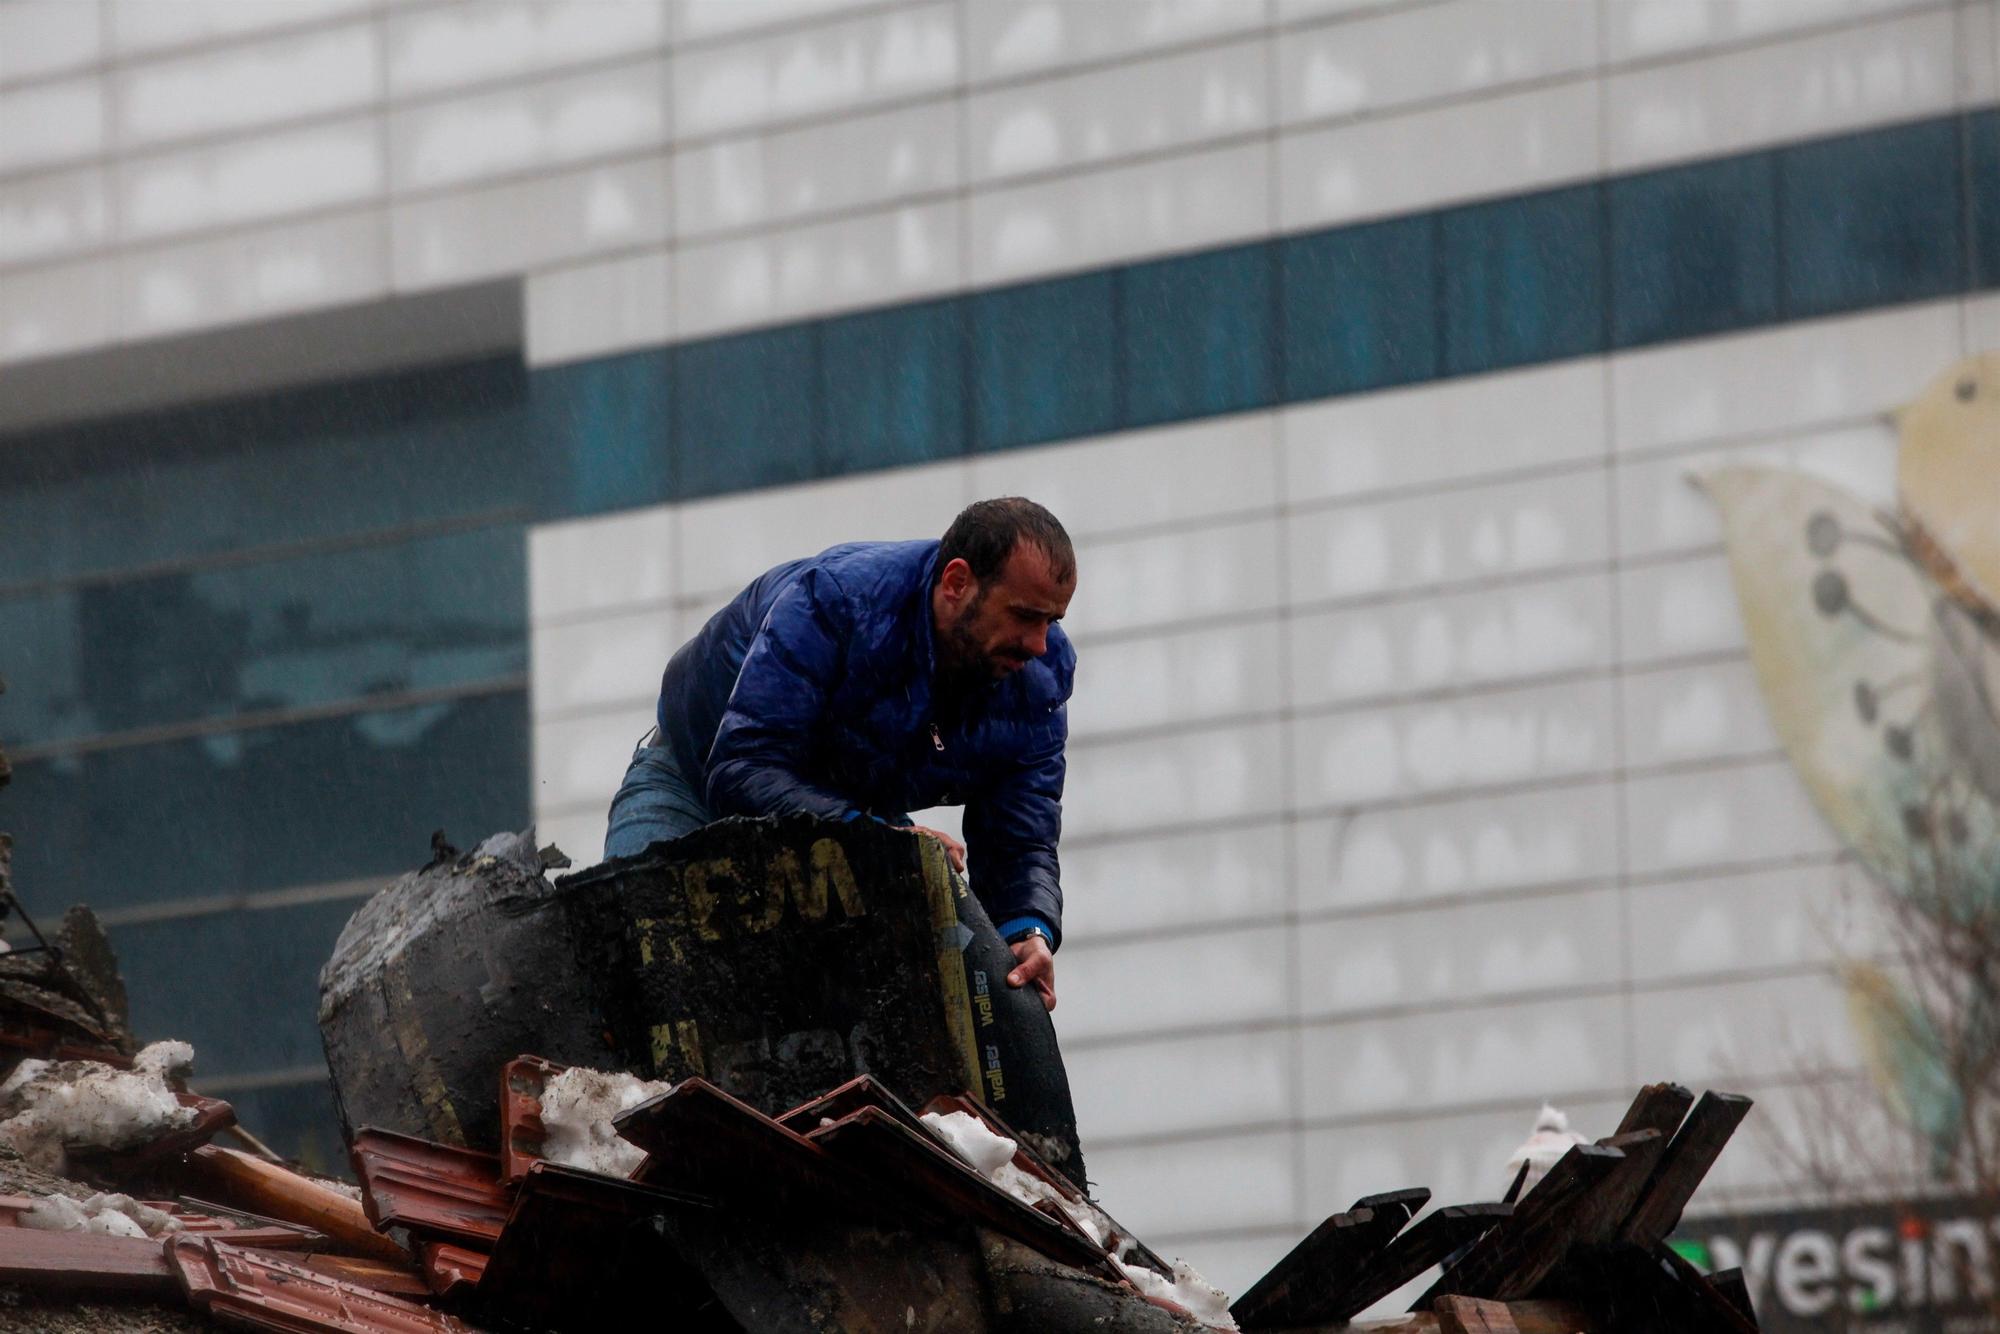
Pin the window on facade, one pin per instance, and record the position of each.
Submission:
(1982, 172)
(743, 411)
(1360, 307)
(1045, 361)
(602, 432)
(1871, 219)
(1523, 280)
(1197, 335)
(893, 385)
(1693, 250)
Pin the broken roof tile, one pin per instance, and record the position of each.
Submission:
(521, 1128)
(435, 1190)
(82, 1261)
(244, 1288)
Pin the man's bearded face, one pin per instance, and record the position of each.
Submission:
(988, 631)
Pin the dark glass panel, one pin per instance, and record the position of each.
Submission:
(1045, 361)
(892, 384)
(1694, 250)
(210, 643)
(1523, 280)
(743, 411)
(1982, 164)
(1198, 337)
(1871, 219)
(307, 803)
(603, 431)
(299, 1121)
(1360, 307)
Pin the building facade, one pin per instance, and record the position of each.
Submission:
(386, 389)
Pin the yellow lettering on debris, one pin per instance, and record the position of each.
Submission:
(677, 1050)
(702, 894)
(830, 871)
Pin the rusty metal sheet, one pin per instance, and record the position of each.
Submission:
(450, 1270)
(699, 1139)
(927, 1174)
(82, 1261)
(262, 1292)
(435, 1190)
(586, 1252)
(521, 1130)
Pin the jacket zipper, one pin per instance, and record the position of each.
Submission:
(937, 741)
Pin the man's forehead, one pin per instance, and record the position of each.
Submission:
(1029, 579)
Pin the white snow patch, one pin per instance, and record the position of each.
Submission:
(1543, 1149)
(58, 1106)
(108, 1215)
(577, 1107)
(992, 1156)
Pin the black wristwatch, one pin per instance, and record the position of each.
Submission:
(1027, 931)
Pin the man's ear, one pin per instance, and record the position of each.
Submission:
(956, 579)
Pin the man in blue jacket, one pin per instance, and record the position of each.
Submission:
(879, 678)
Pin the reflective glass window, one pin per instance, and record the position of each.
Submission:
(1523, 280)
(603, 432)
(893, 386)
(112, 655)
(1871, 219)
(743, 411)
(299, 1120)
(307, 803)
(1982, 157)
(1045, 361)
(1694, 250)
(1198, 336)
(1360, 307)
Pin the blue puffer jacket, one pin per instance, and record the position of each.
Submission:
(812, 692)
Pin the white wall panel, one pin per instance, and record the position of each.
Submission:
(579, 761)
(51, 122)
(761, 179)
(1643, 29)
(1502, 529)
(708, 20)
(1012, 40)
(603, 663)
(1678, 608)
(145, 26)
(1446, 50)
(297, 171)
(252, 275)
(1478, 426)
(1505, 736)
(1710, 711)
(599, 308)
(1406, 854)
(1723, 1035)
(1166, 880)
(1717, 817)
(1208, 1185)
(1408, 1064)
(580, 835)
(1397, 164)
(1461, 954)
(41, 37)
(53, 214)
(240, 86)
(1149, 208)
(56, 309)
(1179, 678)
(816, 70)
(603, 564)
(1139, 582)
(1102, 115)
(445, 46)
(1468, 639)
(507, 228)
(1896, 70)
(1215, 774)
(874, 259)
(1243, 1079)
(1213, 978)
(1978, 43)
(728, 541)
(530, 127)
(1788, 918)
(1780, 379)
(1192, 470)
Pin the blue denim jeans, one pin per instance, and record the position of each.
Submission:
(655, 802)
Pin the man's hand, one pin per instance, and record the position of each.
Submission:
(954, 850)
(1035, 965)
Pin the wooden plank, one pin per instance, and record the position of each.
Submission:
(1427, 1243)
(1717, 1310)
(1604, 1210)
(1473, 1315)
(83, 1262)
(1521, 1251)
(1658, 1107)
(277, 1192)
(1681, 1168)
(1309, 1273)
(1730, 1285)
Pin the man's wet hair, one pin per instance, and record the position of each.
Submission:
(985, 532)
